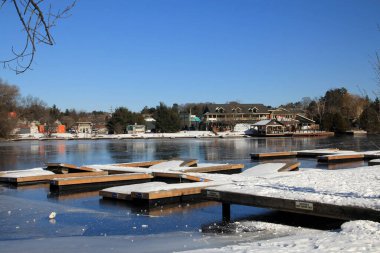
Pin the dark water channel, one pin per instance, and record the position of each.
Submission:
(24, 210)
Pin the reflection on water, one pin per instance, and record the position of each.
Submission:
(29, 154)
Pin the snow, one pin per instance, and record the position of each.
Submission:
(262, 122)
(354, 236)
(109, 167)
(128, 189)
(181, 134)
(199, 165)
(263, 170)
(157, 186)
(25, 173)
(350, 187)
(13, 171)
(168, 165)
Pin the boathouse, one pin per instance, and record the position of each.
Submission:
(269, 127)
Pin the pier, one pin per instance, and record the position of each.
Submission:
(317, 193)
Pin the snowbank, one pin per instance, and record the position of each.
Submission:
(355, 236)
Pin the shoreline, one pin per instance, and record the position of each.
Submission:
(178, 135)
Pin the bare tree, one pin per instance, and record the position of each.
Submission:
(37, 18)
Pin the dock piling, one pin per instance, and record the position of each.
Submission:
(226, 212)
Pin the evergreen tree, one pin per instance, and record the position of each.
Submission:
(167, 119)
(369, 120)
(121, 118)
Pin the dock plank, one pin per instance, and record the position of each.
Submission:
(340, 158)
(290, 205)
(216, 168)
(47, 178)
(273, 155)
(374, 162)
(75, 184)
(145, 164)
(319, 152)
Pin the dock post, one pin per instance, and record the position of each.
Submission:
(226, 212)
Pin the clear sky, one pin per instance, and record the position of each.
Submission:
(136, 53)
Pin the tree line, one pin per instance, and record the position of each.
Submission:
(337, 111)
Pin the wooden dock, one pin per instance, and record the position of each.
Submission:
(290, 154)
(318, 152)
(288, 205)
(273, 155)
(374, 162)
(46, 178)
(64, 168)
(157, 193)
(322, 155)
(222, 168)
(146, 164)
(89, 183)
(339, 158)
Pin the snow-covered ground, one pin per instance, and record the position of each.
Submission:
(181, 134)
(354, 236)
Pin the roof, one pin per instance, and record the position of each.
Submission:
(238, 108)
(282, 111)
(195, 119)
(267, 122)
(304, 119)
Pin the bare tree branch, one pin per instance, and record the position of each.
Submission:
(37, 19)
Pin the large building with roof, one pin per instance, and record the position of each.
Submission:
(220, 117)
(225, 116)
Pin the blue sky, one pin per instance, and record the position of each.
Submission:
(137, 53)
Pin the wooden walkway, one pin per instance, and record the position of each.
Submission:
(340, 158)
(288, 205)
(322, 155)
(374, 162)
(47, 178)
(273, 155)
(157, 193)
(89, 183)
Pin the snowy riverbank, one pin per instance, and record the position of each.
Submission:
(181, 134)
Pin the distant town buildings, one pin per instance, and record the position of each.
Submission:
(215, 117)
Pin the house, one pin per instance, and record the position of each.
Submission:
(135, 129)
(268, 127)
(83, 127)
(150, 123)
(226, 116)
(189, 121)
(293, 119)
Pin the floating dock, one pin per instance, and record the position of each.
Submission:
(157, 193)
(89, 183)
(187, 187)
(273, 155)
(322, 155)
(339, 158)
(312, 192)
(288, 205)
(374, 162)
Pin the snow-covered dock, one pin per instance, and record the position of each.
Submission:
(322, 155)
(374, 162)
(342, 194)
(44, 175)
(154, 193)
(77, 184)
